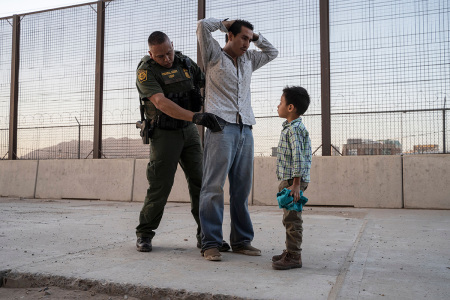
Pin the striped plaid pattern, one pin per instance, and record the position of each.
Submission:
(294, 152)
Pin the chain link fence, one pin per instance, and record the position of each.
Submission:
(390, 76)
(389, 65)
(293, 27)
(5, 83)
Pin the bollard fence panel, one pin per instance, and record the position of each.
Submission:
(56, 80)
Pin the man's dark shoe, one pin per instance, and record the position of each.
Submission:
(278, 257)
(144, 244)
(289, 261)
(247, 250)
(224, 248)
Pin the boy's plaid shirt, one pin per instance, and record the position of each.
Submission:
(294, 152)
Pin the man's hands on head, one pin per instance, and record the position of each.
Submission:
(208, 120)
(227, 23)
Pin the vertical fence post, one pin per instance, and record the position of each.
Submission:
(201, 14)
(14, 94)
(444, 150)
(99, 62)
(79, 138)
(325, 76)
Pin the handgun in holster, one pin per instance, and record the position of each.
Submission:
(147, 126)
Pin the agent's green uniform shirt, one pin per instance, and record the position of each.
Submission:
(153, 79)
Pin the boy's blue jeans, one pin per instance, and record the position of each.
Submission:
(293, 222)
(228, 152)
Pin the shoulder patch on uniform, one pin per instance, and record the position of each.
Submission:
(186, 73)
(142, 75)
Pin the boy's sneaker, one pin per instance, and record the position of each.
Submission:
(247, 250)
(224, 248)
(144, 244)
(278, 257)
(212, 254)
(289, 261)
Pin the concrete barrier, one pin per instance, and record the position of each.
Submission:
(426, 181)
(18, 178)
(104, 179)
(265, 182)
(140, 183)
(363, 181)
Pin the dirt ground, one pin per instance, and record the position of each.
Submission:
(55, 293)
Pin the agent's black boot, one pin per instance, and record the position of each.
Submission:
(144, 244)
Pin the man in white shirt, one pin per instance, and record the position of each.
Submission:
(230, 151)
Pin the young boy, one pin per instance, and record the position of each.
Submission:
(293, 167)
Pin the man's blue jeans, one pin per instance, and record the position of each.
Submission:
(228, 152)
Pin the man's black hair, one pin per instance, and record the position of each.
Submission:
(297, 96)
(236, 27)
(157, 38)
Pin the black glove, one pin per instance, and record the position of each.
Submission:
(208, 120)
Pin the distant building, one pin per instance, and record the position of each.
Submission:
(370, 147)
(274, 151)
(421, 149)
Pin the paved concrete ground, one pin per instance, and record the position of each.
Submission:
(348, 253)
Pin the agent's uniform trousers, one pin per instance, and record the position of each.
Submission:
(167, 149)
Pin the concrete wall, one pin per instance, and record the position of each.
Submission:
(104, 179)
(426, 181)
(363, 181)
(18, 178)
(265, 182)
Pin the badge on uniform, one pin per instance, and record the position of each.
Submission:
(142, 75)
(186, 73)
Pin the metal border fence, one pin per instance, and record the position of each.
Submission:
(378, 73)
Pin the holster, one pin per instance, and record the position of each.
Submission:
(147, 127)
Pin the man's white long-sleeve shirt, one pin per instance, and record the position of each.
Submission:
(228, 86)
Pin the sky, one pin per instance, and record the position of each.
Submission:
(11, 7)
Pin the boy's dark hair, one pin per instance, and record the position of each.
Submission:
(157, 38)
(297, 96)
(236, 27)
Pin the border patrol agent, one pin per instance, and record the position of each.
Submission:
(168, 83)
